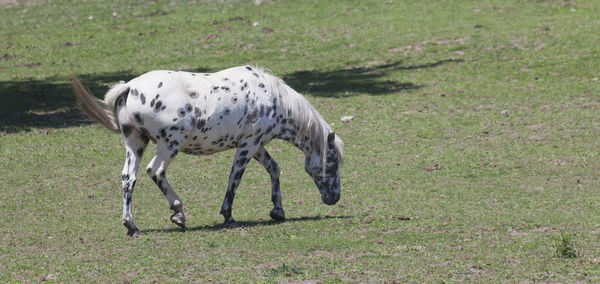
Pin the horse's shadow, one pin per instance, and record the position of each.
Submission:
(244, 224)
(49, 103)
(371, 80)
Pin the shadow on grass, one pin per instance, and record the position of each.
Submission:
(348, 82)
(244, 224)
(49, 103)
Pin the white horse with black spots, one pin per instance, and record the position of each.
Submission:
(201, 114)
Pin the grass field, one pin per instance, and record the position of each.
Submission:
(473, 155)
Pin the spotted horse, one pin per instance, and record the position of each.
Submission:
(201, 114)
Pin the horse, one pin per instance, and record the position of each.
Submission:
(242, 107)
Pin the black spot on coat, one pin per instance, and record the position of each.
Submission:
(240, 162)
(200, 123)
(144, 138)
(238, 174)
(126, 129)
(138, 117)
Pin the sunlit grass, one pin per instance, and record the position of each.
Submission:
(472, 156)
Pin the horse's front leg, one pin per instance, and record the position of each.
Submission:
(242, 157)
(263, 157)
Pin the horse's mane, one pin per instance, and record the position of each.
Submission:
(311, 123)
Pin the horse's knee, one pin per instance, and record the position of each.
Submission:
(272, 167)
(276, 171)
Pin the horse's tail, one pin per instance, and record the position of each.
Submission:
(101, 111)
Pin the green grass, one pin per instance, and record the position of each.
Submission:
(565, 247)
(502, 95)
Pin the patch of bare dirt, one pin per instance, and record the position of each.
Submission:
(435, 167)
(401, 218)
(594, 261)
(545, 229)
(152, 14)
(69, 44)
(10, 3)
(563, 2)
(8, 56)
(418, 47)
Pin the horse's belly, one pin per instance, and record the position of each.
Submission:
(211, 139)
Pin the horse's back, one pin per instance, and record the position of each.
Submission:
(208, 112)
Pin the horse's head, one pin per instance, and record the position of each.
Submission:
(326, 176)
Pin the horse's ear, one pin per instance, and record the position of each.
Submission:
(331, 137)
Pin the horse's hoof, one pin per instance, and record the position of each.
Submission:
(278, 215)
(231, 224)
(134, 233)
(178, 219)
(132, 230)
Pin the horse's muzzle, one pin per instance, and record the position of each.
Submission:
(331, 199)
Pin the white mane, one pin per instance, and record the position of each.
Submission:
(311, 123)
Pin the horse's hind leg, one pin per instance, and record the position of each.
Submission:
(263, 157)
(157, 170)
(135, 144)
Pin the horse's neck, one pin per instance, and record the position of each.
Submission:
(292, 122)
(292, 133)
(288, 133)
